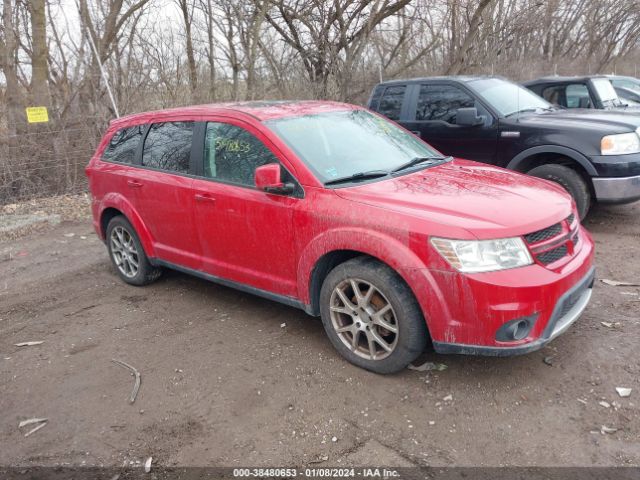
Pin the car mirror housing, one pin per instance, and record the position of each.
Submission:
(468, 117)
(268, 178)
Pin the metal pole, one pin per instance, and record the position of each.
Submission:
(104, 75)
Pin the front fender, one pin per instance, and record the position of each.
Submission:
(387, 249)
(120, 203)
(560, 150)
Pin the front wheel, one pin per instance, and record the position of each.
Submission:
(568, 179)
(371, 316)
(127, 254)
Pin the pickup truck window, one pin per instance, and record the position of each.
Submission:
(573, 95)
(391, 102)
(375, 97)
(441, 102)
(577, 96)
(553, 95)
(506, 97)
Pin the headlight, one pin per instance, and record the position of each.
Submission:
(620, 144)
(472, 256)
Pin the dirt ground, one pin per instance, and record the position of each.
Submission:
(224, 383)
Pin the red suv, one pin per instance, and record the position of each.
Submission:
(333, 209)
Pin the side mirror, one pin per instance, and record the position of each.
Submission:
(468, 117)
(268, 179)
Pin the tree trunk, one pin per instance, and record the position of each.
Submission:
(40, 55)
(15, 114)
(211, 55)
(191, 60)
(461, 56)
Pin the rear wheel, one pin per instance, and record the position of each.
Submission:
(371, 316)
(127, 254)
(570, 180)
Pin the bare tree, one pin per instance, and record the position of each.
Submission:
(461, 53)
(327, 34)
(8, 57)
(186, 9)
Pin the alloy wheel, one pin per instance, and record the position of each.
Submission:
(364, 319)
(124, 252)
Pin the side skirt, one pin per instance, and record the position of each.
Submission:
(292, 302)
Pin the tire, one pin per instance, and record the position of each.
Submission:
(570, 180)
(401, 312)
(125, 250)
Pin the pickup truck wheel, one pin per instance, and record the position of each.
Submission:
(127, 254)
(570, 180)
(371, 316)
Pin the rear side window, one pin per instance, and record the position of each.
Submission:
(391, 102)
(168, 146)
(441, 102)
(375, 97)
(232, 154)
(123, 145)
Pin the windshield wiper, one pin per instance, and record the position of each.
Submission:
(419, 160)
(358, 176)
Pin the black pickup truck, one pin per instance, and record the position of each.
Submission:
(594, 155)
(591, 91)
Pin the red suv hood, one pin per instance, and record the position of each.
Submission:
(487, 201)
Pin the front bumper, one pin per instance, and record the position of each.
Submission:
(568, 309)
(551, 298)
(617, 189)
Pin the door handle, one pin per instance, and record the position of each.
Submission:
(204, 197)
(134, 184)
(415, 132)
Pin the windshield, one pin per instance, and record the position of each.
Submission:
(624, 82)
(605, 90)
(506, 97)
(344, 143)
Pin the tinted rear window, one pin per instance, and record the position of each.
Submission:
(375, 97)
(168, 146)
(391, 102)
(122, 146)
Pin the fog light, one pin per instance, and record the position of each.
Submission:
(516, 329)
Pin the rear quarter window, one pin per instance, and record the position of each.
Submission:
(374, 101)
(391, 102)
(123, 145)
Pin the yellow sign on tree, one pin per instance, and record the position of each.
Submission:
(37, 114)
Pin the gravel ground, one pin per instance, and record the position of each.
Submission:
(37, 215)
(225, 384)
